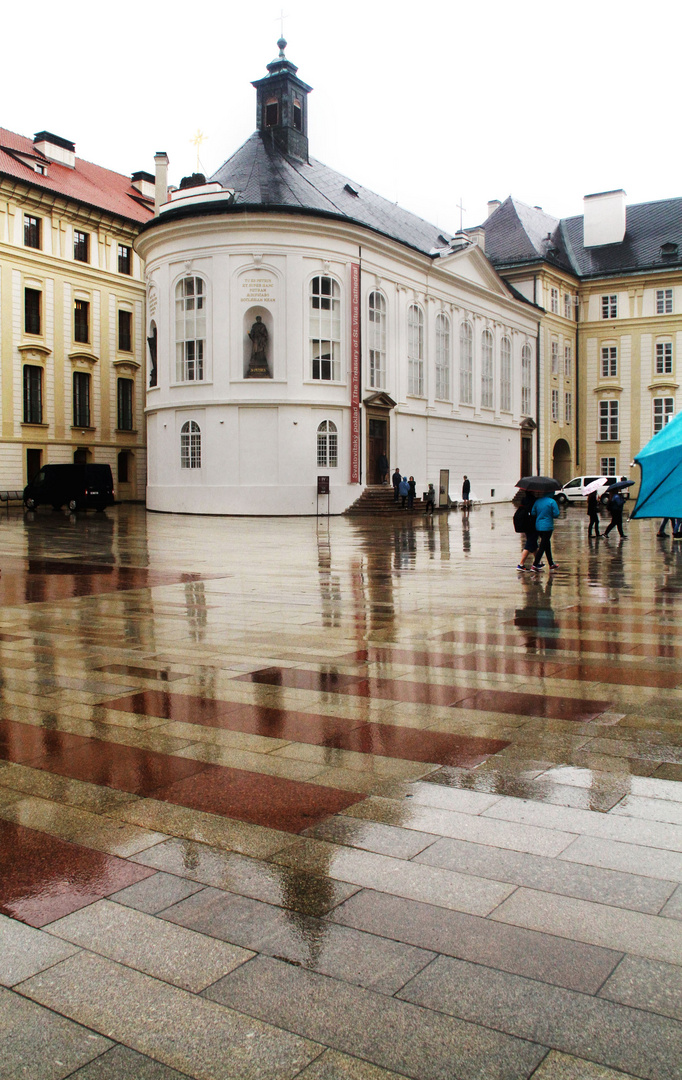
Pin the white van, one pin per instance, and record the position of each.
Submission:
(574, 490)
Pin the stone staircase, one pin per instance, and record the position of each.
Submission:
(378, 499)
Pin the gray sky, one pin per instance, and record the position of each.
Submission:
(424, 104)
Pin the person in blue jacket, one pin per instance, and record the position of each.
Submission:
(544, 510)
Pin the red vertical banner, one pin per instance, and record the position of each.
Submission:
(355, 373)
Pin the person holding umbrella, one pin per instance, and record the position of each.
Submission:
(544, 511)
(616, 504)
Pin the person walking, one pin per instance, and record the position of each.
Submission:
(661, 528)
(593, 511)
(396, 478)
(616, 504)
(466, 492)
(545, 511)
(411, 493)
(382, 466)
(404, 490)
(430, 499)
(525, 523)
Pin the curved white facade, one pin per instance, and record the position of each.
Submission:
(222, 443)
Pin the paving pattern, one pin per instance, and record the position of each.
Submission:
(340, 799)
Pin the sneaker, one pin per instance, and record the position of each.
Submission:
(662, 534)
(520, 567)
(535, 569)
(553, 566)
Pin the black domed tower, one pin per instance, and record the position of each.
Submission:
(282, 107)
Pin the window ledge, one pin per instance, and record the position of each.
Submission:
(28, 347)
(607, 442)
(83, 356)
(309, 382)
(125, 431)
(124, 361)
(82, 428)
(602, 387)
(33, 424)
(663, 383)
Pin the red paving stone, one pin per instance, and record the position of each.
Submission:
(37, 581)
(54, 877)
(551, 708)
(537, 639)
(184, 708)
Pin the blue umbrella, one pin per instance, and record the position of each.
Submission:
(660, 492)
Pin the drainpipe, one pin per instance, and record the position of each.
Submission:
(537, 395)
(578, 467)
(360, 461)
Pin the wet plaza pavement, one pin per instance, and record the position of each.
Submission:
(341, 799)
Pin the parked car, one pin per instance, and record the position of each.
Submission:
(79, 487)
(574, 490)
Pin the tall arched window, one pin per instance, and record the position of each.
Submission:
(190, 329)
(466, 363)
(415, 351)
(376, 340)
(505, 375)
(443, 357)
(526, 358)
(190, 445)
(487, 370)
(327, 445)
(325, 329)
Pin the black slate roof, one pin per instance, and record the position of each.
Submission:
(264, 178)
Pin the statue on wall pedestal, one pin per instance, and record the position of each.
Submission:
(258, 364)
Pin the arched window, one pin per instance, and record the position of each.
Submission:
(376, 340)
(190, 329)
(190, 445)
(415, 351)
(443, 357)
(298, 115)
(487, 370)
(466, 363)
(327, 445)
(325, 329)
(505, 375)
(152, 342)
(526, 358)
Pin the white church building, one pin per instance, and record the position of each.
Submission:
(300, 326)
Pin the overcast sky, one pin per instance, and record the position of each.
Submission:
(426, 104)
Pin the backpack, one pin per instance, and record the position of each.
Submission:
(522, 519)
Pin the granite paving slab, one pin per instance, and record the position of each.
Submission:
(122, 1063)
(630, 858)
(579, 1024)
(25, 951)
(196, 1036)
(392, 1034)
(673, 909)
(333, 1065)
(155, 893)
(372, 836)
(646, 984)
(558, 1066)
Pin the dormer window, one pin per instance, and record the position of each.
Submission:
(298, 115)
(271, 112)
(40, 169)
(669, 252)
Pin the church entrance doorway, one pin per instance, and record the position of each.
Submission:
(561, 462)
(377, 450)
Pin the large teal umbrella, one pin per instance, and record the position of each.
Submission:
(660, 492)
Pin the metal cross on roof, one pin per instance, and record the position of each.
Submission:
(197, 140)
(461, 213)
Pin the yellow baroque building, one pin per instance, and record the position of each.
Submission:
(72, 319)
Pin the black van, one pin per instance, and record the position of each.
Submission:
(77, 486)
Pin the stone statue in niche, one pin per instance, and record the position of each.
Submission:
(258, 364)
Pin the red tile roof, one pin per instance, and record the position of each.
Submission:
(86, 183)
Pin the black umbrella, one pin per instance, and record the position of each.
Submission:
(620, 485)
(538, 483)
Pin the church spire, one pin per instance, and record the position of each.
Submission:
(282, 106)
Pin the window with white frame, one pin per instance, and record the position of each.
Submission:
(568, 306)
(466, 364)
(568, 407)
(555, 358)
(609, 306)
(568, 361)
(505, 375)
(415, 351)
(327, 445)
(487, 370)
(607, 466)
(555, 406)
(664, 357)
(608, 421)
(376, 340)
(190, 329)
(664, 301)
(325, 329)
(442, 357)
(526, 360)
(664, 407)
(190, 445)
(554, 301)
(609, 361)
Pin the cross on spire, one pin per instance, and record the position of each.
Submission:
(461, 209)
(197, 140)
(280, 18)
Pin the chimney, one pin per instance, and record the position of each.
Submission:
(144, 183)
(161, 185)
(604, 218)
(493, 205)
(54, 148)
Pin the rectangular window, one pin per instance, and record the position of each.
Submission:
(664, 408)
(664, 301)
(607, 466)
(568, 407)
(32, 298)
(555, 405)
(31, 231)
(33, 394)
(125, 261)
(609, 361)
(554, 301)
(80, 246)
(555, 358)
(664, 357)
(608, 421)
(193, 362)
(609, 306)
(124, 399)
(125, 320)
(568, 306)
(81, 321)
(568, 361)
(526, 361)
(81, 399)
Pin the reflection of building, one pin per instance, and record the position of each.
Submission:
(71, 312)
(384, 335)
(610, 282)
